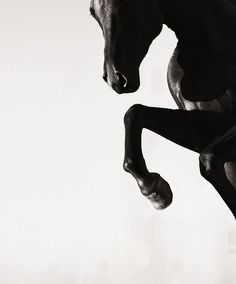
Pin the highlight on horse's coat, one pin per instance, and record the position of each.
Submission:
(201, 78)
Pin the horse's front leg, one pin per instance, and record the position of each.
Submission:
(191, 129)
(152, 185)
(172, 124)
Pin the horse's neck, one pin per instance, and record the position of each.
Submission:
(207, 46)
(202, 23)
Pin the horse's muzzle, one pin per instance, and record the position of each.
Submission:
(119, 82)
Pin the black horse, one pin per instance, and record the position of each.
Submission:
(201, 78)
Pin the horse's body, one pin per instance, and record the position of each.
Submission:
(225, 103)
(201, 79)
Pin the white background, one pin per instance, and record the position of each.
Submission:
(68, 212)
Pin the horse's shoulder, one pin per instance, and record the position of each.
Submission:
(225, 101)
(174, 77)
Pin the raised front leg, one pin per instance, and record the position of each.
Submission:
(152, 185)
(165, 122)
(191, 129)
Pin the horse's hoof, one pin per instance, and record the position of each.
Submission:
(157, 190)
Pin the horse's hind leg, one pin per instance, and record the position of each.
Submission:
(212, 166)
(221, 150)
(191, 129)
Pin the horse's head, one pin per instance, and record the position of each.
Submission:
(128, 26)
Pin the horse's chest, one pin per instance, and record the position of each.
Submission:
(211, 95)
(224, 103)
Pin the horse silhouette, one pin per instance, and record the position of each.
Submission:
(201, 78)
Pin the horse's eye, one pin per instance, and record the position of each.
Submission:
(92, 11)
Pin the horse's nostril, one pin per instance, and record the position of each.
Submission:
(122, 79)
(104, 76)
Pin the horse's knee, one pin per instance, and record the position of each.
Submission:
(132, 113)
(128, 165)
